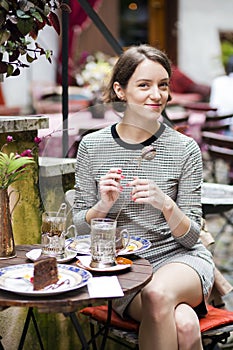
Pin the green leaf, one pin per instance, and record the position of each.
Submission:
(10, 70)
(4, 36)
(29, 58)
(4, 4)
(17, 163)
(37, 16)
(48, 54)
(12, 168)
(22, 14)
(3, 156)
(25, 26)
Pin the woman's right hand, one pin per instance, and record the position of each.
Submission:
(110, 187)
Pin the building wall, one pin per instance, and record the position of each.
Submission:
(198, 45)
(17, 89)
(198, 36)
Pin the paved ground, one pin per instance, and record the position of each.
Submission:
(223, 251)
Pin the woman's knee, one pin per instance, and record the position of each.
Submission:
(157, 300)
(188, 328)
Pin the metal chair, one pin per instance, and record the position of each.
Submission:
(218, 147)
(215, 327)
(217, 123)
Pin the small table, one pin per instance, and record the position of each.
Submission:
(217, 199)
(131, 280)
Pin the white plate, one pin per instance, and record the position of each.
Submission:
(81, 245)
(17, 279)
(34, 254)
(85, 261)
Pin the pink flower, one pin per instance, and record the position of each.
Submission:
(37, 140)
(9, 138)
(26, 153)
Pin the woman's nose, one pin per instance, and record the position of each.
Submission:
(155, 93)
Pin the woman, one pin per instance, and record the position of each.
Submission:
(157, 199)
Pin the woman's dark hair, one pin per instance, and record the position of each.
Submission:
(128, 62)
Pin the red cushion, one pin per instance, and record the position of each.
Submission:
(215, 318)
(100, 314)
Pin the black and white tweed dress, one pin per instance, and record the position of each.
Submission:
(177, 170)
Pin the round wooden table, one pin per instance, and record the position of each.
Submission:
(131, 280)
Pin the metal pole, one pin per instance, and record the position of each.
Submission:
(101, 26)
(65, 56)
(65, 95)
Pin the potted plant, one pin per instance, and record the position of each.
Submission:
(20, 23)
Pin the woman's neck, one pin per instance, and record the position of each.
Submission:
(132, 133)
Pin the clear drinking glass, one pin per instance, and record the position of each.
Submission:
(103, 247)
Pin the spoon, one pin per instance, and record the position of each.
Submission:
(147, 153)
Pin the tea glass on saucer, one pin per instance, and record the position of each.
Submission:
(53, 233)
(103, 242)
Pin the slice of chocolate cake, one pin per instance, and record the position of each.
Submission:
(45, 272)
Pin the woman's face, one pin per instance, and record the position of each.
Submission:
(147, 88)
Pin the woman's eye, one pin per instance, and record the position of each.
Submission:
(164, 85)
(143, 85)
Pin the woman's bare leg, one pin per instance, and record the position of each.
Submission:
(156, 307)
(188, 328)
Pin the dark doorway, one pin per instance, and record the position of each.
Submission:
(134, 18)
(149, 21)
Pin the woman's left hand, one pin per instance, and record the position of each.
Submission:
(147, 191)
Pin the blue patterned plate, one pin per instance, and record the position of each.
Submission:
(17, 279)
(136, 245)
(81, 245)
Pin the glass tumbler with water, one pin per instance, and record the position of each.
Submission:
(103, 246)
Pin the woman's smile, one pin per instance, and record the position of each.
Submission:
(147, 89)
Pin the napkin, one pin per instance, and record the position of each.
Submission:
(34, 254)
(105, 286)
